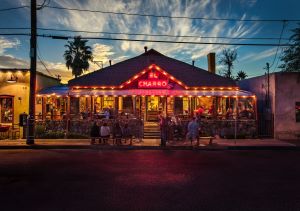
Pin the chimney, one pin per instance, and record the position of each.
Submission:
(109, 62)
(211, 61)
(193, 62)
(145, 49)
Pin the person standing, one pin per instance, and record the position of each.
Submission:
(163, 130)
(117, 133)
(193, 130)
(95, 133)
(105, 132)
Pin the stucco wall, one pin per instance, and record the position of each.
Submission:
(20, 89)
(284, 92)
(287, 93)
(258, 86)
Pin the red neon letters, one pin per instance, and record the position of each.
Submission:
(153, 84)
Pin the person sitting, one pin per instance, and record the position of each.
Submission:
(229, 113)
(95, 133)
(117, 133)
(105, 132)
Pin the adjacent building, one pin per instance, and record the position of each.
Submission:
(279, 116)
(14, 93)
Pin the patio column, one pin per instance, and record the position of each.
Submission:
(68, 113)
(134, 104)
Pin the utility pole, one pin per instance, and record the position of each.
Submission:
(31, 117)
(268, 82)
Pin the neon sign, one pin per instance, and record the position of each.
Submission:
(153, 84)
(153, 81)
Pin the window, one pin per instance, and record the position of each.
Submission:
(6, 104)
(297, 109)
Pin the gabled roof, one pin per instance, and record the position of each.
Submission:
(118, 73)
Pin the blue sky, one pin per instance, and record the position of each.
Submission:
(14, 50)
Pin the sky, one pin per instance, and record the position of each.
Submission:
(14, 50)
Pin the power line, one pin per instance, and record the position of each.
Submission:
(144, 34)
(284, 24)
(154, 41)
(39, 55)
(165, 41)
(15, 34)
(170, 17)
(161, 35)
(13, 8)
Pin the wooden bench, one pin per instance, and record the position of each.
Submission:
(210, 138)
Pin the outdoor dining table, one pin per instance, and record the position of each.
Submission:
(4, 131)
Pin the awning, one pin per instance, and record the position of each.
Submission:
(64, 90)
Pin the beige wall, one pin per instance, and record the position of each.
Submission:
(20, 89)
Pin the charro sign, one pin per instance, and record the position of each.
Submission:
(153, 81)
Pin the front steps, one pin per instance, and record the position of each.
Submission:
(151, 130)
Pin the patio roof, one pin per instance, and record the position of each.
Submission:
(65, 91)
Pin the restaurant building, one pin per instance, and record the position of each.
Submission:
(148, 85)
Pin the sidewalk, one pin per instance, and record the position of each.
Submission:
(218, 144)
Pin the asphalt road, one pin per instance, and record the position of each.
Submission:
(149, 180)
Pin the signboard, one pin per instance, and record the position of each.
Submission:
(153, 81)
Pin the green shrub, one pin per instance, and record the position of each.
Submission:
(39, 131)
(76, 136)
(52, 135)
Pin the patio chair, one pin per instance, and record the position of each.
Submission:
(15, 131)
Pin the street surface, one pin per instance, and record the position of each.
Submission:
(149, 180)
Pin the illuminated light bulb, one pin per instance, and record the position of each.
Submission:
(77, 87)
(53, 94)
(136, 76)
(158, 68)
(186, 87)
(48, 95)
(229, 88)
(179, 82)
(225, 96)
(190, 95)
(172, 77)
(121, 86)
(221, 88)
(204, 88)
(180, 96)
(208, 96)
(94, 87)
(128, 82)
(164, 73)
(244, 96)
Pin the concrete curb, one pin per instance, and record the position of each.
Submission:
(99, 147)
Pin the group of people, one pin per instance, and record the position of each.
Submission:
(175, 122)
(118, 132)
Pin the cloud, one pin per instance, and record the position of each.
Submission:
(8, 43)
(258, 56)
(120, 50)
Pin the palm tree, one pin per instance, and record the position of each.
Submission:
(77, 56)
(241, 75)
(227, 58)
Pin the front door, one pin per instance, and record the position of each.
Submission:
(154, 105)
